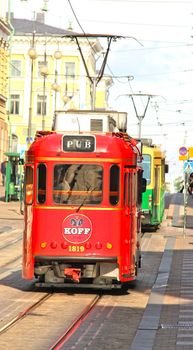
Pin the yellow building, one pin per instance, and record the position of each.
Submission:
(48, 73)
(4, 36)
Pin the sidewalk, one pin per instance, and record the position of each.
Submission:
(9, 210)
(176, 211)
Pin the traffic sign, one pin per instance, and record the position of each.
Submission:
(183, 151)
(190, 152)
(188, 167)
(183, 157)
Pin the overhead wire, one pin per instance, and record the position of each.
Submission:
(69, 2)
(141, 24)
(143, 75)
(152, 1)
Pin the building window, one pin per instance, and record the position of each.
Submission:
(70, 69)
(14, 105)
(40, 65)
(15, 68)
(41, 105)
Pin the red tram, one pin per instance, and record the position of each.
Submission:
(82, 210)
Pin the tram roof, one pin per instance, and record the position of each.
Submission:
(107, 145)
(154, 151)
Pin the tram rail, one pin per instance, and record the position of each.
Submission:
(24, 313)
(75, 324)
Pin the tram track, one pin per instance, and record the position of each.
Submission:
(10, 237)
(9, 251)
(24, 313)
(10, 243)
(11, 262)
(67, 319)
(60, 320)
(75, 324)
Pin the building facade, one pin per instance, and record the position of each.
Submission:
(4, 50)
(47, 73)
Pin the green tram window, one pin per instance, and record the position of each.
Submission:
(41, 183)
(146, 165)
(28, 185)
(114, 184)
(78, 184)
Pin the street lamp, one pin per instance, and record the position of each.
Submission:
(44, 72)
(56, 88)
(55, 85)
(33, 55)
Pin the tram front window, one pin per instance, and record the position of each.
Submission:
(146, 165)
(77, 184)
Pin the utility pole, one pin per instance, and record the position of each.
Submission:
(33, 55)
(140, 117)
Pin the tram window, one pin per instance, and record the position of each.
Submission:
(41, 183)
(129, 189)
(125, 186)
(146, 165)
(139, 187)
(114, 184)
(163, 170)
(78, 184)
(28, 185)
(134, 191)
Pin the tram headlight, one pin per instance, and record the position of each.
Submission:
(29, 194)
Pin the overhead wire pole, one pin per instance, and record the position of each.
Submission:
(95, 80)
(140, 117)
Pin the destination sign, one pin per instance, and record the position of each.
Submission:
(78, 143)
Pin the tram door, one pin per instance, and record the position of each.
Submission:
(156, 192)
(130, 212)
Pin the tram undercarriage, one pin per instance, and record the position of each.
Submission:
(93, 274)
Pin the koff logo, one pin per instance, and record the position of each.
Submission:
(77, 228)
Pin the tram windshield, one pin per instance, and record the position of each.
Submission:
(146, 165)
(77, 184)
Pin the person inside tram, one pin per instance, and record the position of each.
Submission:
(78, 183)
(63, 182)
(88, 180)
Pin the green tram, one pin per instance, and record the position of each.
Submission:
(154, 170)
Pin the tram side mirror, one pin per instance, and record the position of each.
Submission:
(166, 168)
(144, 184)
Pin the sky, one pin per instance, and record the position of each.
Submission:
(156, 53)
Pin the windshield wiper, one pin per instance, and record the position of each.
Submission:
(81, 205)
